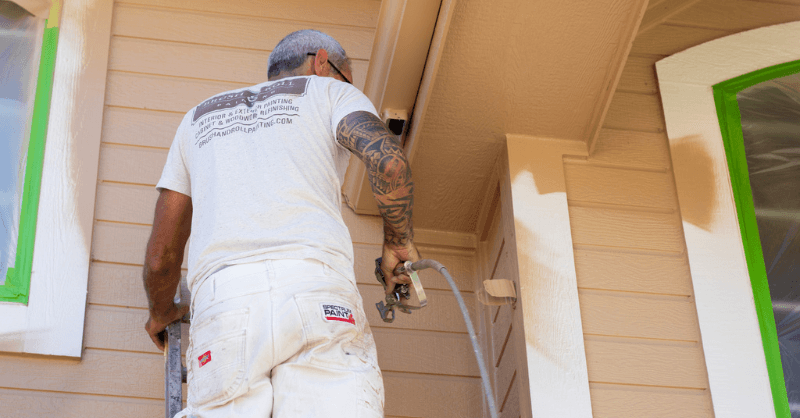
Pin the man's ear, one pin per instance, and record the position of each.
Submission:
(319, 62)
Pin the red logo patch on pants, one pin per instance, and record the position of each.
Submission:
(337, 313)
(204, 358)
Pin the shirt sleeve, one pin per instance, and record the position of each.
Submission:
(346, 99)
(175, 175)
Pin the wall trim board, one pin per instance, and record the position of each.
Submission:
(554, 343)
(52, 322)
(722, 288)
(403, 38)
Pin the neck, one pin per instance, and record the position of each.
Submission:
(294, 73)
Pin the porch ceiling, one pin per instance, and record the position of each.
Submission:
(542, 68)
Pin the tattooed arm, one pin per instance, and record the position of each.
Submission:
(162, 265)
(390, 177)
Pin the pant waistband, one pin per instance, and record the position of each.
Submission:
(264, 275)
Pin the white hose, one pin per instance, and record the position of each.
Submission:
(487, 387)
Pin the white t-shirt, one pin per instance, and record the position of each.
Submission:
(264, 171)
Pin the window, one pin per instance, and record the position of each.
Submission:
(27, 58)
(759, 115)
(51, 323)
(736, 360)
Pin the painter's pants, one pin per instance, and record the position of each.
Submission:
(281, 339)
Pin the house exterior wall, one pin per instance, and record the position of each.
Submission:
(165, 57)
(640, 324)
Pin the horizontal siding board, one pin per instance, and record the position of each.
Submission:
(340, 12)
(399, 350)
(125, 203)
(147, 128)
(120, 163)
(637, 362)
(228, 30)
(509, 404)
(589, 183)
(505, 372)
(147, 91)
(667, 39)
(121, 329)
(99, 372)
(199, 61)
(639, 75)
(612, 401)
(631, 315)
(35, 404)
(635, 112)
(410, 395)
(116, 285)
(122, 374)
(736, 15)
(631, 272)
(632, 149)
(626, 229)
(501, 331)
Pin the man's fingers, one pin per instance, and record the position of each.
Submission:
(157, 337)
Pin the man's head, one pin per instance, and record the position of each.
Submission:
(308, 52)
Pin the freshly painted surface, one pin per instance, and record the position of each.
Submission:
(558, 378)
(719, 272)
(52, 322)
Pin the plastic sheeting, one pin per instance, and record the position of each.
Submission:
(20, 43)
(771, 126)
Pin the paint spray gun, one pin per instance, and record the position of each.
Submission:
(401, 291)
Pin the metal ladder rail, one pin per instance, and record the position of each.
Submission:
(174, 371)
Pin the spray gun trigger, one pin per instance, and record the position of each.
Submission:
(385, 311)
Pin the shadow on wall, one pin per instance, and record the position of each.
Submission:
(694, 172)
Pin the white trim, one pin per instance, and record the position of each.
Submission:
(737, 372)
(52, 322)
(557, 371)
(400, 52)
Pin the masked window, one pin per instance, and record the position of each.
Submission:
(770, 120)
(20, 43)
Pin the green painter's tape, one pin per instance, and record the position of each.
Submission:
(18, 279)
(730, 124)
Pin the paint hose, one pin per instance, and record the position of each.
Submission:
(487, 387)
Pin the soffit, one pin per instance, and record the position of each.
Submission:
(537, 68)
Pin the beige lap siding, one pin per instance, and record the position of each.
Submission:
(165, 57)
(501, 326)
(643, 347)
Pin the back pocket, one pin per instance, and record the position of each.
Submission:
(334, 331)
(217, 358)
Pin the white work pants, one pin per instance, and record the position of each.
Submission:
(281, 339)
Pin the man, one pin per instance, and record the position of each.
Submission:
(278, 328)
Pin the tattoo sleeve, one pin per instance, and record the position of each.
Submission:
(389, 174)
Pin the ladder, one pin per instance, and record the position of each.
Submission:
(174, 370)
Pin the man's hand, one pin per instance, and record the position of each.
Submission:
(392, 257)
(156, 325)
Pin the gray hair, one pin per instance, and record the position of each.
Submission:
(292, 51)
